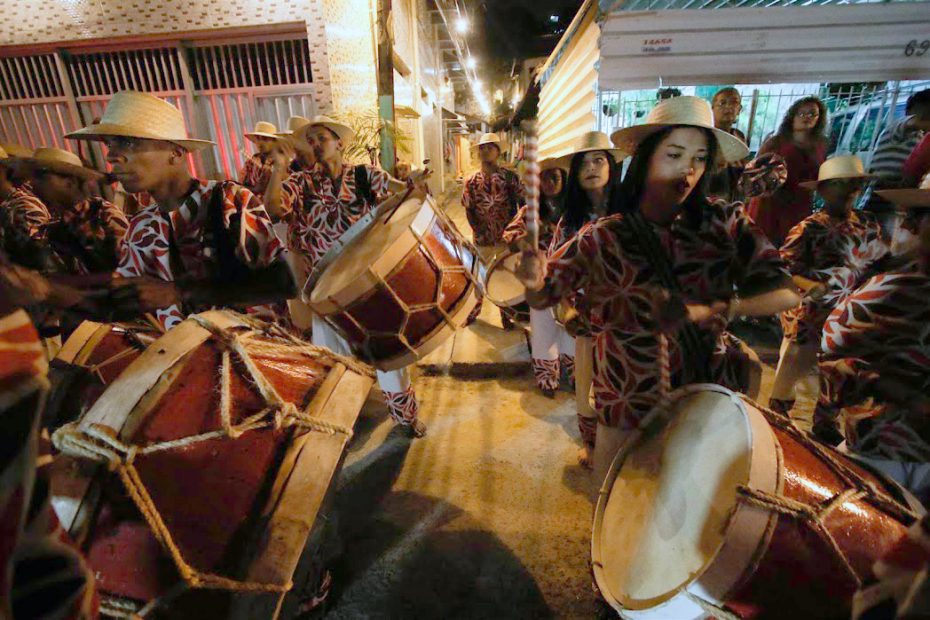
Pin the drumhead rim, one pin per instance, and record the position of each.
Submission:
(501, 303)
(709, 568)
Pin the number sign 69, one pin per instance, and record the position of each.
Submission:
(917, 48)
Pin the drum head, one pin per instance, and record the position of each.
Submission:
(363, 247)
(670, 504)
(503, 288)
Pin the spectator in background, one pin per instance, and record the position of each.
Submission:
(256, 172)
(894, 145)
(724, 183)
(801, 141)
(917, 164)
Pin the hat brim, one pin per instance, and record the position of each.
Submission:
(344, 132)
(628, 139)
(260, 134)
(107, 130)
(910, 198)
(30, 165)
(497, 143)
(554, 163)
(813, 184)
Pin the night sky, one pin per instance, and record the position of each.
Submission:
(515, 29)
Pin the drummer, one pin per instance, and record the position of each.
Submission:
(828, 254)
(200, 244)
(304, 157)
(256, 171)
(320, 205)
(491, 198)
(666, 259)
(552, 349)
(55, 581)
(59, 226)
(875, 359)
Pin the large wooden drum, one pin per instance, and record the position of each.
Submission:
(199, 473)
(397, 284)
(728, 510)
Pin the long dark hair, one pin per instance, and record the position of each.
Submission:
(626, 197)
(550, 209)
(576, 205)
(819, 132)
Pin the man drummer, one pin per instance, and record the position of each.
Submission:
(491, 198)
(304, 157)
(256, 171)
(320, 205)
(58, 227)
(200, 244)
(875, 359)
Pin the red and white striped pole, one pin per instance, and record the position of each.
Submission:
(531, 180)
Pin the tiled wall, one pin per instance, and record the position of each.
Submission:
(27, 22)
(351, 49)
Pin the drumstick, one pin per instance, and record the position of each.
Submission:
(531, 180)
(403, 198)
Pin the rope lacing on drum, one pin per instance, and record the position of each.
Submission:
(98, 443)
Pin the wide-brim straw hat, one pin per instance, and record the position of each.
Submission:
(684, 110)
(592, 141)
(294, 124)
(489, 138)
(15, 150)
(132, 114)
(838, 167)
(58, 161)
(263, 129)
(342, 130)
(552, 163)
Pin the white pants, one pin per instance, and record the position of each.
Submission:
(915, 477)
(795, 361)
(325, 336)
(548, 339)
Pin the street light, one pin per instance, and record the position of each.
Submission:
(470, 63)
(461, 24)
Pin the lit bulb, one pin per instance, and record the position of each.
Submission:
(461, 25)
(470, 63)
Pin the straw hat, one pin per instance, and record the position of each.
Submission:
(592, 141)
(263, 130)
(909, 198)
(490, 138)
(15, 150)
(551, 163)
(838, 167)
(58, 161)
(294, 124)
(342, 130)
(685, 110)
(132, 114)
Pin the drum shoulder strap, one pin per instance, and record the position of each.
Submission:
(222, 241)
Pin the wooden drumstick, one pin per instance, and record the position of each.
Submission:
(531, 180)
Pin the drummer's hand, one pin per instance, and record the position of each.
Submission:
(144, 294)
(531, 270)
(283, 154)
(702, 315)
(417, 180)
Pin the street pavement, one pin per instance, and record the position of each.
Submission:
(489, 515)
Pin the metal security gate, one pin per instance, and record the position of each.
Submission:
(221, 89)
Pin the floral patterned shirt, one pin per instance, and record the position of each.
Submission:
(835, 252)
(491, 202)
(256, 172)
(145, 251)
(85, 239)
(712, 253)
(879, 331)
(516, 230)
(324, 208)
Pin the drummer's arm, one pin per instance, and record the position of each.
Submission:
(273, 198)
(765, 304)
(270, 284)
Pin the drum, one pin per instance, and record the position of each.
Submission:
(206, 465)
(728, 510)
(397, 284)
(93, 357)
(504, 290)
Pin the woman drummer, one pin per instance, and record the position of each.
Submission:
(552, 349)
(666, 259)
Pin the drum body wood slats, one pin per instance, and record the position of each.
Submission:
(225, 499)
(731, 507)
(398, 286)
